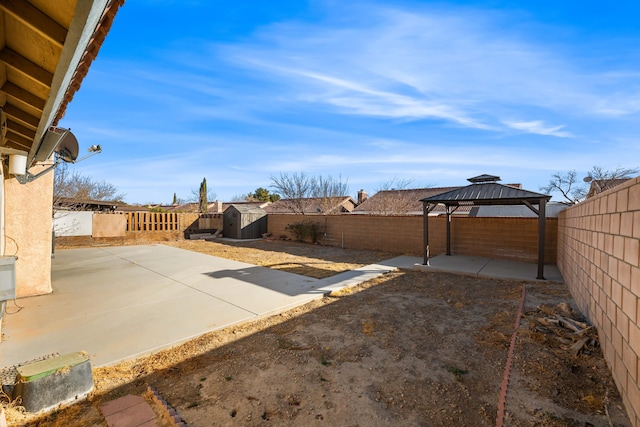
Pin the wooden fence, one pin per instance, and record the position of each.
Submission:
(152, 221)
(170, 221)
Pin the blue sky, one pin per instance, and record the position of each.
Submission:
(436, 92)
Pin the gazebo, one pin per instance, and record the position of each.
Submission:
(485, 190)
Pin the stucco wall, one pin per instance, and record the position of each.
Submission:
(28, 225)
(105, 225)
(73, 223)
(510, 238)
(599, 257)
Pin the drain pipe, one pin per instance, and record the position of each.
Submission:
(2, 237)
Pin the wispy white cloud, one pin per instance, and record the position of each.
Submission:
(540, 128)
(459, 65)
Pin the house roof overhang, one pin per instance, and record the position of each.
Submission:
(46, 49)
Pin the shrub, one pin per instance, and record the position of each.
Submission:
(305, 231)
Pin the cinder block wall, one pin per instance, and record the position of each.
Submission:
(510, 238)
(598, 255)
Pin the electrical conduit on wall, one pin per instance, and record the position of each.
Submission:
(2, 237)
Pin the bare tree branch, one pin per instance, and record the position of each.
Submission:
(565, 184)
(294, 190)
(74, 188)
(299, 190)
(574, 191)
(327, 190)
(391, 199)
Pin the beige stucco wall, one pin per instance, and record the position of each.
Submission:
(105, 225)
(28, 226)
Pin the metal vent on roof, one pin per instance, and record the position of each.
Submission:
(484, 178)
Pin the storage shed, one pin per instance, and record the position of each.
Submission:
(244, 222)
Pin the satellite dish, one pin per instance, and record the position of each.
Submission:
(67, 149)
(60, 141)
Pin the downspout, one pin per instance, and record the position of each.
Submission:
(2, 237)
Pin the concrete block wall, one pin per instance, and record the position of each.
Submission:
(510, 238)
(403, 234)
(507, 238)
(599, 257)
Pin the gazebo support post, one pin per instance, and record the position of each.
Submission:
(448, 230)
(542, 220)
(425, 222)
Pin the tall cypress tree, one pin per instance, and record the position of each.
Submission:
(203, 196)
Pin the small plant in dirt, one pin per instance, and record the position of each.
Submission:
(325, 361)
(457, 372)
(306, 230)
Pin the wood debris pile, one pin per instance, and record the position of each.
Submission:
(560, 324)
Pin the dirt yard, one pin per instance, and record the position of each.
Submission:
(410, 349)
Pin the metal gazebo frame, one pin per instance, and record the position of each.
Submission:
(484, 190)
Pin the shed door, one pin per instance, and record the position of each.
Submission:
(231, 227)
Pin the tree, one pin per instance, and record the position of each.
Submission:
(71, 189)
(599, 174)
(299, 190)
(175, 199)
(566, 184)
(295, 190)
(393, 198)
(195, 196)
(204, 204)
(328, 190)
(262, 195)
(575, 191)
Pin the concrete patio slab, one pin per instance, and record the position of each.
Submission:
(488, 267)
(119, 303)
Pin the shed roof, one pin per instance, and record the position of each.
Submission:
(244, 209)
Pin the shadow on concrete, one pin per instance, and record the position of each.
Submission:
(274, 280)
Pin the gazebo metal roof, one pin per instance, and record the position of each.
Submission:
(489, 193)
(485, 190)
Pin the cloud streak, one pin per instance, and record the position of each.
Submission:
(538, 127)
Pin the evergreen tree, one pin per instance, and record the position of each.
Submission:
(204, 205)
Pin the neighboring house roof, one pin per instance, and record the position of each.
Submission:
(46, 50)
(64, 203)
(184, 207)
(518, 211)
(399, 202)
(313, 206)
(600, 185)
